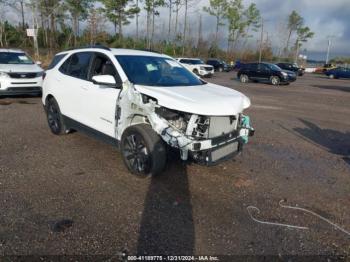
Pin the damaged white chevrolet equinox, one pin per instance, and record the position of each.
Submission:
(144, 102)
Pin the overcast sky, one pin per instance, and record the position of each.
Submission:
(325, 17)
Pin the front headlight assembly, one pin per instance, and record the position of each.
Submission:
(4, 75)
(177, 119)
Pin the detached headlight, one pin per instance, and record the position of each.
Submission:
(4, 75)
(177, 119)
(284, 74)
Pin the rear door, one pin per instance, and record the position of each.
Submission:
(248, 69)
(71, 84)
(264, 72)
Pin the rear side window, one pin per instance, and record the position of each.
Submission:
(56, 60)
(77, 65)
(250, 66)
(263, 67)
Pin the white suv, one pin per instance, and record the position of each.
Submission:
(19, 75)
(197, 66)
(143, 102)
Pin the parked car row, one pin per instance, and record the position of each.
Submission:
(338, 72)
(197, 66)
(265, 72)
(207, 69)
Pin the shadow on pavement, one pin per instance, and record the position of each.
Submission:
(339, 88)
(334, 141)
(167, 223)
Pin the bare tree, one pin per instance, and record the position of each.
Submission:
(137, 14)
(217, 8)
(78, 10)
(170, 4)
(295, 21)
(178, 4)
(96, 20)
(187, 4)
(151, 9)
(19, 6)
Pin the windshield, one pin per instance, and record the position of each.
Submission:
(15, 58)
(156, 71)
(274, 67)
(196, 62)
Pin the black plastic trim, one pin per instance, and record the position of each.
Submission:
(207, 153)
(75, 125)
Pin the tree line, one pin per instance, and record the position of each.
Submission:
(63, 24)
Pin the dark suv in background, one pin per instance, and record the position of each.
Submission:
(219, 65)
(265, 72)
(292, 67)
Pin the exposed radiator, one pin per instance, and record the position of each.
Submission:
(221, 125)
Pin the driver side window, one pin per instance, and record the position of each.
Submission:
(102, 65)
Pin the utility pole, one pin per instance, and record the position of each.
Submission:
(35, 30)
(297, 51)
(328, 49)
(261, 39)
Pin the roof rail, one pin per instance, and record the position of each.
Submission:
(147, 50)
(91, 46)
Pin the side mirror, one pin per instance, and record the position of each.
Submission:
(38, 63)
(106, 80)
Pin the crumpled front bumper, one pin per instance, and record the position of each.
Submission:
(204, 151)
(221, 148)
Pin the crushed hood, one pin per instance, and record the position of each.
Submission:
(17, 68)
(208, 99)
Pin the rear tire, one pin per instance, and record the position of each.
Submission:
(143, 151)
(331, 76)
(221, 69)
(54, 117)
(275, 80)
(244, 79)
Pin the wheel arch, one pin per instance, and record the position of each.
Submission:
(133, 120)
(46, 99)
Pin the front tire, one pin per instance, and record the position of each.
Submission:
(195, 71)
(331, 76)
(244, 79)
(54, 117)
(221, 69)
(143, 151)
(275, 80)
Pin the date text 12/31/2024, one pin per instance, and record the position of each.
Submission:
(172, 258)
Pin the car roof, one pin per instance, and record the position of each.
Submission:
(114, 51)
(5, 50)
(188, 58)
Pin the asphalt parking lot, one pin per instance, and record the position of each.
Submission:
(72, 194)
